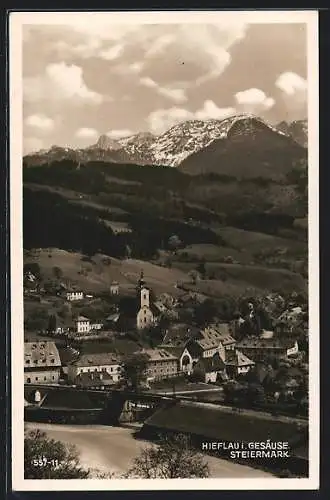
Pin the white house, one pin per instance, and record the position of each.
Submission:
(96, 326)
(107, 363)
(145, 317)
(83, 325)
(71, 296)
(114, 288)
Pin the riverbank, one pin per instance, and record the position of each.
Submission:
(113, 449)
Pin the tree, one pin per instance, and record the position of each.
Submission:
(205, 312)
(52, 323)
(46, 458)
(201, 269)
(135, 370)
(173, 457)
(33, 268)
(174, 243)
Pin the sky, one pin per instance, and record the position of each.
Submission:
(85, 79)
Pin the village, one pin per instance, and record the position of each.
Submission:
(143, 343)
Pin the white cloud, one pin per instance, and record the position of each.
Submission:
(254, 100)
(291, 83)
(60, 82)
(160, 45)
(112, 53)
(120, 133)
(86, 133)
(161, 120)
(32, 144)
(176, 95)
(41, 122)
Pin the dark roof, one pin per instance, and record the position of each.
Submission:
(212, 364)
(214, 422)
(274, 343)
(67, 355)
(98, 359)
(181, 333)
(237, 358)
(175, 350)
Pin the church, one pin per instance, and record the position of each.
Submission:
(137, 312)
(145, 316)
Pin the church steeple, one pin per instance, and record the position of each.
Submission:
(141, 282)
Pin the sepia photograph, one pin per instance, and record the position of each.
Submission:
(164, 250)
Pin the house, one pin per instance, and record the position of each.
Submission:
(185, 360)
(259, 348)
(211, 367)
(83, 325)
(114, 288)
(160, 364)
(94, 380)
(237, 363)
(74, 295)
(97, 325)
(42, 363)
(215, 338)
(105, 363)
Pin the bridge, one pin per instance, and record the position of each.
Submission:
(60, 403)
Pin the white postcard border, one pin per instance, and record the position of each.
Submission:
(16, 21)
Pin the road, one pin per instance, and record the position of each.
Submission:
(114, 448)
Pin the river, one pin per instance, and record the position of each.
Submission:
(114, 448)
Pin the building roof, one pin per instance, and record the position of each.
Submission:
(98, 359)
(82, 318)
(266, 343)
(67, 355)
(159, 355)
(238, 359)
(212, 364)
(180, 333)
(214, 422)
(43, 354)
(177, 351)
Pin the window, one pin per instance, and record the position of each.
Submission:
(45, 378)
(27, 361)
(28, 380)
(52, 360)
(36, 379)
(144, 296)
(53, 377)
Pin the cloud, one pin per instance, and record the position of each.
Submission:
(161, 120)
(211, 110)
(86, 133)
(174, 94)
(60, 81)
(291, 83)
(254, 100)
(294, 93)
(120, 133)
(112, 53)
(32, 144)
(160, 45)
(40, 122)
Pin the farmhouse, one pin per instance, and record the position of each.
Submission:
(108, 364)
(160, 364)
(211, 368)
(42, 364)
(258, 348)
(74, 295)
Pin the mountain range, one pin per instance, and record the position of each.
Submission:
(241, 145)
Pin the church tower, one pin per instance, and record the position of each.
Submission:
(145, 317)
